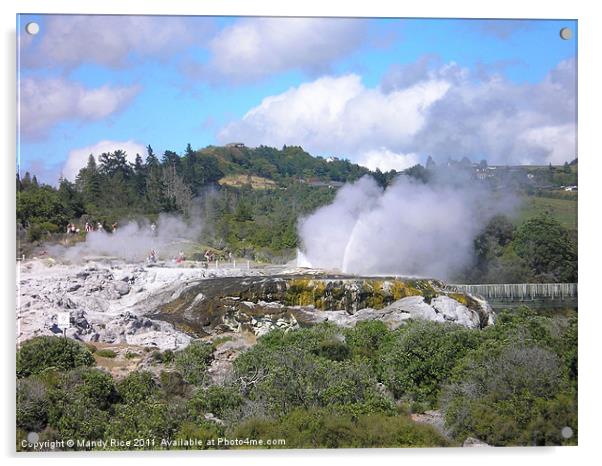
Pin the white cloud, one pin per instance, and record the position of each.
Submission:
(419, 111)
(78, 158)
(253, 48)
(337, 114)
(558, 142)
(114, 41)
(386, 160)
(47, 102)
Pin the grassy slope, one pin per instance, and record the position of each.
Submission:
(563, 210)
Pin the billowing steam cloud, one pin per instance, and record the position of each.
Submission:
(134, 240)
(410, 228)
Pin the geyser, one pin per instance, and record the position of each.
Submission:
(410, 228)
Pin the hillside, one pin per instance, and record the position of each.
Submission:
(249, 200)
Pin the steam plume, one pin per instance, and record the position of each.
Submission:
(410, 228)
(134, 240)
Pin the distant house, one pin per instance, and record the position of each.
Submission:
(317, 182)
(239, 145)
(483, 174)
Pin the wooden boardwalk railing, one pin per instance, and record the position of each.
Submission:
(519, 291)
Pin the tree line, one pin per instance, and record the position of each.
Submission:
(261, 223)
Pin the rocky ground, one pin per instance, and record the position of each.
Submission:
(135, 308)
(107, 300)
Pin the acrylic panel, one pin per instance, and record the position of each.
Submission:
(286, 232)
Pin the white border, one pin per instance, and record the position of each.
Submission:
(590, 79)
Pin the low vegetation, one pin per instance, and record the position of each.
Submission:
(513, 383)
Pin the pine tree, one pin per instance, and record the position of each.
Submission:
(139, 178)
(88, 182)
(188, 162)
(26, 182)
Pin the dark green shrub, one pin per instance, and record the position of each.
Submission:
(38, 231)
(366, 338)
(80, 403)
(82, 420)
(499, 395)
(137, 386)
(216, 399)
(94, 386)
(192, 362)
(334, 349)
(40, 353)
(547, 248)
(421, 356)
(324, 428)
(202, 431)
(149, 420)
(281, 379)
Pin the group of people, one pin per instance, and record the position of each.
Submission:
(89, 227)
(152, 257)
(209, 255)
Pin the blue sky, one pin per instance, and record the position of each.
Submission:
(382, 92)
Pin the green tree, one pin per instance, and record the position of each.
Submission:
(70, 199)
(41, 205)
(88, 182)
(547, 248)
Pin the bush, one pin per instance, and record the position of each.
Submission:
(137, 386)
(323, 428)
(284, 378)
(218, 400)
(366, 338)
(172, 384)
(165, 357)
(548, 249)
(80, 403)
(421, 356)
(106, 353)
(149, 420)
(498, 395)
(524, 327)
(38, 230)
(91, 385)
(192, 362)
(201, 431)
(82, 420)
(41, 353)
(32, 404)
